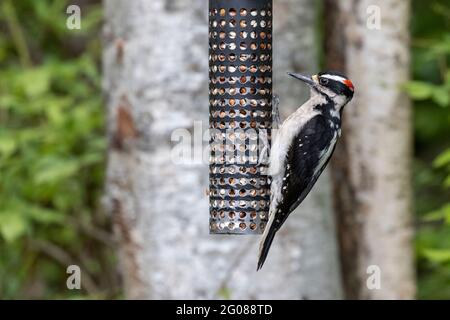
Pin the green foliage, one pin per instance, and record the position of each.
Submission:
(439, 94)
(438, 52)
(431, 93)
(52, 151)
(443, 162)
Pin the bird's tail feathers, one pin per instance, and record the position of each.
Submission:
(266, 242)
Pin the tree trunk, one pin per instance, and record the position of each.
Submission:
(155, 80)
(309, 235)
(372, 163)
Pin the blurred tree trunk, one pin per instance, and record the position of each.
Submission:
(155, 80)
(309, 235)
(372, 164)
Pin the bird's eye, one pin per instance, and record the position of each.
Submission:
(323, 81)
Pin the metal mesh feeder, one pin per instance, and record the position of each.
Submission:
(240, 106)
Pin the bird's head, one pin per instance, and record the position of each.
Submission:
(330, 84)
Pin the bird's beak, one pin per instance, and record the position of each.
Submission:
(306, 79)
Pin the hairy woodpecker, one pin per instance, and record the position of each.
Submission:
(303, 147)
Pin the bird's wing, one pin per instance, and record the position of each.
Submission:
(307, 157)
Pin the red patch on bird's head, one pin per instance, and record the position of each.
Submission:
(349, 84)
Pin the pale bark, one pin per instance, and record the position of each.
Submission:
(372, 165)
(155, 80)
(310, 230)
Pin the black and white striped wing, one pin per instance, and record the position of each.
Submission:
(306, 158)
(308, 155)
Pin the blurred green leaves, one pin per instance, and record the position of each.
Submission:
(430, 91)
(12, 225)
(52, 152)
(53, 133)
(436, 215)
(437, 255)
(438, 52)
(439, 94)
(442, 160)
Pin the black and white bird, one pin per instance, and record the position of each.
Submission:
(302, 148)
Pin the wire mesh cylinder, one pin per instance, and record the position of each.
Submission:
(240, 97)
